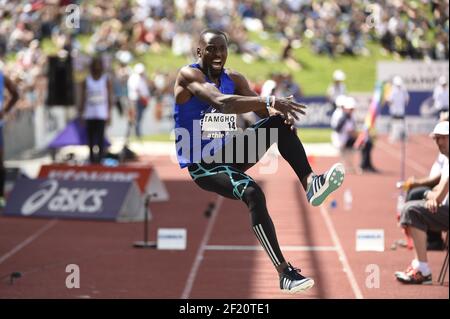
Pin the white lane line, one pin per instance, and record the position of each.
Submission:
(342, 257)
(201, 249)
(396, 153)
(257, 248)
(29, 240)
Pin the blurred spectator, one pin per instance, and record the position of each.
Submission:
(440, 95)
(120, 76)
(344, 131)
(271, 84)
(282, 85)
(288, 57)
(366, 155)
(162, 93)
(95, 108)
(290, 87)
(120, 82)
(398, 100)
(139, 94)
(337, 88)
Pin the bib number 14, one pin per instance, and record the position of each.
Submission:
(214, 122)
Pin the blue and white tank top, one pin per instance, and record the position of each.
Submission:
(190, 142)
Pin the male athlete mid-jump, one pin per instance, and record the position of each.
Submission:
(206, 92)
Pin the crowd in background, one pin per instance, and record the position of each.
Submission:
(411, 29)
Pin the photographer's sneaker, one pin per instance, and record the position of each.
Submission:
(292, 281)
(413, 277)
(402, 273)
(323, 185)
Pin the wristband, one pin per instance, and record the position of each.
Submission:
(273, 101)
(268, 102)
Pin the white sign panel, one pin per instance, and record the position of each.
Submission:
(417, 75)
(369, 240)
(172, 238)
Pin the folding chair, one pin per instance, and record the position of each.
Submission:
(444, 268)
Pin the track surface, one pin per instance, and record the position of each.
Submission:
(223, 258)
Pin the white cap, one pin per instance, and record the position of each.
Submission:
(139, 68)
(339, 75)
(340, 100)
(443, 80)
(349, 103)
(440, 129)
(398, 81)
(124, 57)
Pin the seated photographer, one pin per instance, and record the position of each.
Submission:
(430, 213)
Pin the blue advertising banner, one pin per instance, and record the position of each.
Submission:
(73, 199)
(318, 113)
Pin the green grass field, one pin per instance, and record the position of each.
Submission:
(314, 76)
(314, 135)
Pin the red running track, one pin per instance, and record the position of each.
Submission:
(223, 258)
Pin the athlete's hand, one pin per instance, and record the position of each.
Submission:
(289, 108)
(432, 205)
(288, 120)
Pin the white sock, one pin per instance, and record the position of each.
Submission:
(423, 268)
(415, 264)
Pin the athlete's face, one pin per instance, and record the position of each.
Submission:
(213, 52)
(442, 143)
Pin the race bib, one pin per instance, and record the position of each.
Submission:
(219, 122)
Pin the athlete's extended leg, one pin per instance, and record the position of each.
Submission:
(232, 183)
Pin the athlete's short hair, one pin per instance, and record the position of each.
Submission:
(214, 31)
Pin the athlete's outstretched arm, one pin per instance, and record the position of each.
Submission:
(194, 81)
(243, 88)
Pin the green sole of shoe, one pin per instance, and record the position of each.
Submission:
(334, 180)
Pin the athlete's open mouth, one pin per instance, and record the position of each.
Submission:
(216, 64)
